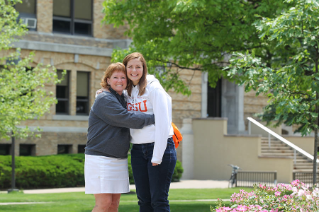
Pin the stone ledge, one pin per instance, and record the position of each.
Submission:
(70, 118)
(62, 48)
(61, 129)
(244, 135)
(285, 157)
(209, 119)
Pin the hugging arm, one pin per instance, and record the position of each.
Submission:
(113, 113)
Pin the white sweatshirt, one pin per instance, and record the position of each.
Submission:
(156, 101)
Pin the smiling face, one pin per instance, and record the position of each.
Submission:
(134, 70)
(117, 81)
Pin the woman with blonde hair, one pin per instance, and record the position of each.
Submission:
(108, 141)
(153, 154)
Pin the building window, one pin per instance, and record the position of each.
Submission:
(27, 149)
(5, 149)
(62, 93)
(82, 93)
(27, 13)
(81, 148)
(64, 149)
(214, 100)
(73, 17)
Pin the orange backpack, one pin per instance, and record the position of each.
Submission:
(177, 137)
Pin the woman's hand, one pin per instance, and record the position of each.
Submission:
(101, 90)
(155, 164)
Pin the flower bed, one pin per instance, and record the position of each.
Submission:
(294, 197)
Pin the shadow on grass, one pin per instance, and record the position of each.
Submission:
(127, 207)
(176, 207)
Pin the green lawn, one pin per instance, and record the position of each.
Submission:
(80, 202)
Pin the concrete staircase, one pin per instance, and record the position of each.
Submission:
(279, 149)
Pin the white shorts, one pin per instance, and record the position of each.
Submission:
(105, 175)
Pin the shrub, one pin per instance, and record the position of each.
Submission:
(53, 171)
(294, 197)
(178, 171)
(130, 172)
(43, 171)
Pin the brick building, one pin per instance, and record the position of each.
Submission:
(69, 35)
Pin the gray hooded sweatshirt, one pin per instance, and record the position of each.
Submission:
(109, 123)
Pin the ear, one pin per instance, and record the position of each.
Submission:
(107, 80)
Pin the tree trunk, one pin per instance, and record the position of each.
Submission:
(314, 171)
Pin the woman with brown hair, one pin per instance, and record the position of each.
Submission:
(153, 154)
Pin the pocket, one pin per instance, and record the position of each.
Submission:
(170, 146)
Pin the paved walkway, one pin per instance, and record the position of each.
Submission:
(175, 185)
(189, 184)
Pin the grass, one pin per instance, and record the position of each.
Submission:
(80, 202)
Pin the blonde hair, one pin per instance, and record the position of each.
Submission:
(143, 82)
(109, 71)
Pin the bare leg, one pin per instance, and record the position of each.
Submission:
(102, 202)
(115, 203)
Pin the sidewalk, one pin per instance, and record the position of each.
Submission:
(175, 185)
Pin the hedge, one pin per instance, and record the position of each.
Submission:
(52, 171)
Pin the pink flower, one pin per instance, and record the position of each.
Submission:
(241, 208)
(223, 209)
(315, 192)
(277, 193)
(295, 182)
(258, 207)
(301, 192)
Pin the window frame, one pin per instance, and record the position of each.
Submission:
(73, 20)
(68, 73)
(29, 15)
(67, 146)
(214, 100)
(8, 149)
(81, 148)
(31, 149)
(88, 98)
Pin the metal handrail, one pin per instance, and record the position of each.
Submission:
(296, 148)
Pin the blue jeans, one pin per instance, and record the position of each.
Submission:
(152, 182)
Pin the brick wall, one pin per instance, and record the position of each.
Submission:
(44, 15)
(101, 30)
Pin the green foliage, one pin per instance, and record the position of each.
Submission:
(291, 77)
(9, 26)
(192, 34)
(22, 93)
(130, 172)
(53, 171)
(178, 171)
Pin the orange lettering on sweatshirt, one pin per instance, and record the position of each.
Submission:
(137, 106)
(145, 107)
(129, 106)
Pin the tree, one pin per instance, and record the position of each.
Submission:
(22, 93)
(191, 34)
(292, 79)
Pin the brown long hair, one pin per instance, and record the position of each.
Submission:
(109, 71)
(143, 82)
